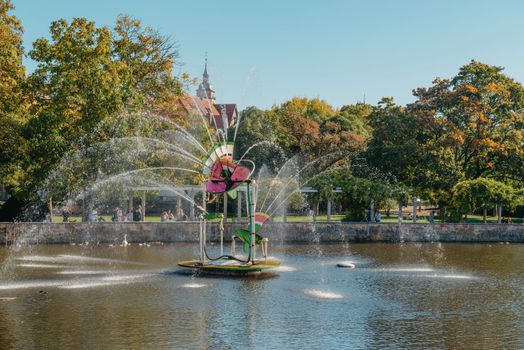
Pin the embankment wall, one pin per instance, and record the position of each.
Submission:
(47, 233)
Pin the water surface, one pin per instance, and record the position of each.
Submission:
(468, 296)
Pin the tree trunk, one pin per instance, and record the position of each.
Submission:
(372, 211)
(414, 210)
(485, 214)
(51, 209)
(499, 213)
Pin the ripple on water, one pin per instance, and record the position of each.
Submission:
(322, 294)
(85, 272)
(72, 259)
(104, 281)
(451, 276)
(7, 298)
(30, 284)
(43, 266)
(284, 268)
(405, 269)
(194, 285)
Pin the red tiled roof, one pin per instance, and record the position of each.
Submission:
(206, 107)
(197, 105)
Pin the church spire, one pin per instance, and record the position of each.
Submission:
(205, 89)
(206, 75)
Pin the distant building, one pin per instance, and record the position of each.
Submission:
(219, 115)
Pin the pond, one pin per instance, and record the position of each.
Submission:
(466, 296)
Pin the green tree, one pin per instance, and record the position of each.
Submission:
(466, 127)
(473, 121)
(258, 126)
(299, 121)
(481, 193)
(12, 101)
(86, 78)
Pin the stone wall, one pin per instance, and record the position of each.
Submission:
(279, 232)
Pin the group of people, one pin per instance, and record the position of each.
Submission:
(409, 217)
(132, 215)
(117, 215)
(167, 215)
(378, 216)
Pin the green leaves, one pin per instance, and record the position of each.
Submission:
(85, 77)
(482, 193)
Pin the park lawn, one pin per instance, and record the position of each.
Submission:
(107, 218)
(475, 219)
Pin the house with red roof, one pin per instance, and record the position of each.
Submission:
(219, 115)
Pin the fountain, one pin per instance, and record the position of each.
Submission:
(224, 175)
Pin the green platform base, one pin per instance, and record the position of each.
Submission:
(215, 268)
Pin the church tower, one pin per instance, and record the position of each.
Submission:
(205, 90)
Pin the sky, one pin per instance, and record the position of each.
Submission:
(262, 53)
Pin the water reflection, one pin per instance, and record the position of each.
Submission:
(397, 296)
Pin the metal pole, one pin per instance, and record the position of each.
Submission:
(222, 237)
(200, 232)
(204, 224)
(251, 201)
(253, 228)
(225, 206)
(239, 206)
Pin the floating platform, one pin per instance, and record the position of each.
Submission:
(228, 267)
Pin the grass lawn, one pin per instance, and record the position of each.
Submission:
(477, 219)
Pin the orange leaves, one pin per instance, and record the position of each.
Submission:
(470, 88)
(458, 136)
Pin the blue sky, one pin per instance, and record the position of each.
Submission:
(264, 52)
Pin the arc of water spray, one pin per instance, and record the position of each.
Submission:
(184, 131)
(276, 177)
(292, 179)
(300, 185)
(173, 189)
(253, 146)
(180, 150)
(296, 175)
(137, 171)
(204, 121)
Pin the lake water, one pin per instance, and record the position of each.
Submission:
(398, 296)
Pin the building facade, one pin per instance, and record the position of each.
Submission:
(219, 115)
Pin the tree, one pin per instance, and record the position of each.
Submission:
(145, 61)
(466, 127)
(12, 72)
(473, 121)
(481, 193)
(87, 75)
(13, 104)
(258, 126)
(299, 121)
